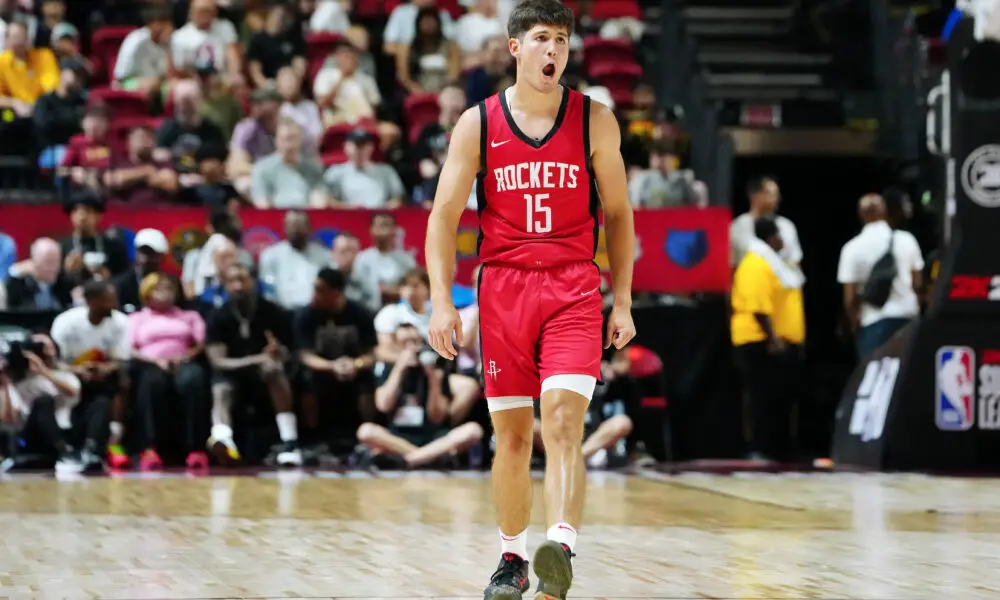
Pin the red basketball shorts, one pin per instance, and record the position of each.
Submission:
(539, 328)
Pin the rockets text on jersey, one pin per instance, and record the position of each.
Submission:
(538, 202)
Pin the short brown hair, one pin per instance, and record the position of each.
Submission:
(415, 276)
(529, 13)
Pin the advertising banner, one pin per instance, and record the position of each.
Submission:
(677, 250)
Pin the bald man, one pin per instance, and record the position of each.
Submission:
(37, 283)
(874, 325)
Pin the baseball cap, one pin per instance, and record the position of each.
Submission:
(360, 136)
(65, 30)
(152, 239)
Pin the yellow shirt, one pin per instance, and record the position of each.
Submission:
(756, 289)
(28, 80)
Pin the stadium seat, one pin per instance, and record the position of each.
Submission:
(420, 109)
(318, 47)
(599, 51)
(333, 158)
(369, 9)
(333, 138)
(622, 98)
(122, 103)
(617, 77)
(104, 45)
(452, 7)
(619, 9)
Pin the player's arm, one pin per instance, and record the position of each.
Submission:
(454, 183)
(612, 183)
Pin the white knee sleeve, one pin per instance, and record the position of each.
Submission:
(509, 402)
(579, 384)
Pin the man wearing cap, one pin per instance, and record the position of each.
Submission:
(360, 182)
(58, 114)
(150, 246)
(25, 72)
(143, 59)
(253, 138)
(66, 45)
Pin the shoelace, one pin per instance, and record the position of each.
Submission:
(509, 565)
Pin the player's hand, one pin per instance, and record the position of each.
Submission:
(621, 329)
(445, 322)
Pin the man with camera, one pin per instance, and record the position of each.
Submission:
(335, 338)
(36, 398)
(413, 394)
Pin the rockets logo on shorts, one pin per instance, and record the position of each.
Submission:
(493, 370)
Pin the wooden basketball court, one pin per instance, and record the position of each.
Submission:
(431, 535)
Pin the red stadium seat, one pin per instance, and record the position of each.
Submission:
(122, 103)
(622, 98)
(452, 7)
(615, 9)
(421, 110)
(645, 362)
(333, 158)
(599, 51)
(318, 47)
(333, 138)
(617, 77)
(104, 45)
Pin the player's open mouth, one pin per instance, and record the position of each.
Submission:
(549, 70)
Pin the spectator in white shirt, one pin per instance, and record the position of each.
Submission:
(401, 28)
(144, 57)
(764, 199)
(346, 247)
(875, 325)
(288, 178)
(291, 266)
(207, 37)
(344, 93)
(477, 26)
(330, 16)
(413, 309)
(361, 182)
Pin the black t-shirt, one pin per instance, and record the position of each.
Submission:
(273, 53)
(184, 142)
(246, 336)
(331, 335)
(109, 244)
(432, 137)
(410, 412)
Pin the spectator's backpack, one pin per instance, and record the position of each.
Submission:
(879, 285)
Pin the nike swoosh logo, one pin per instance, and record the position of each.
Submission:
(495, 144)
(590, 292)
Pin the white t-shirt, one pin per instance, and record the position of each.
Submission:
(476, 29)
(383, 269)
(189, 43)
(81, 341)
(860, 254)
(390, 317)
(401, 27)
(32, 388)
(356, 99)
(140, 56)
(741, 232)
(329, 17)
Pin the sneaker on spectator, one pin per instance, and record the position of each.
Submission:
(599, 460)
(117, 457)
(69, 462)
(149, 460)
(289, 455)
(197, 461)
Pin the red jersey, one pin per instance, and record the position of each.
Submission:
(537, 199)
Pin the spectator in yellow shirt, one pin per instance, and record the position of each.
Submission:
(25, 72)
(768, 332)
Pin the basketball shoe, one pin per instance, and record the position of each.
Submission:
(553, 565)
(510, 580)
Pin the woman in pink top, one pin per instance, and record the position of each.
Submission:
(170, 385)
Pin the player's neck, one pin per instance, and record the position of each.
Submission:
(526, 99)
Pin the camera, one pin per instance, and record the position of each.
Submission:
(15, 363)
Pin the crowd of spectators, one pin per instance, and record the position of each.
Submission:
(245, 105)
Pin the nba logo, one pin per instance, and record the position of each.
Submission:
(955, 389)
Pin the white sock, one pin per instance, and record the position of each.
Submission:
(288, 429)
(517, 544)
(564, 533)
(117, 429)
(221, 431)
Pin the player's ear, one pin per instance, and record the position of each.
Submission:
(514, 44)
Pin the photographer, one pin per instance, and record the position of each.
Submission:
(335, 338)
(413, 393)
(36, 398)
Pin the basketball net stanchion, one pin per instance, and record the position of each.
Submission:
(929, 399)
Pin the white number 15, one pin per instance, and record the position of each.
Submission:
(535, 207)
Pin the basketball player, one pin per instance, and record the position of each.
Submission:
(539, 153)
